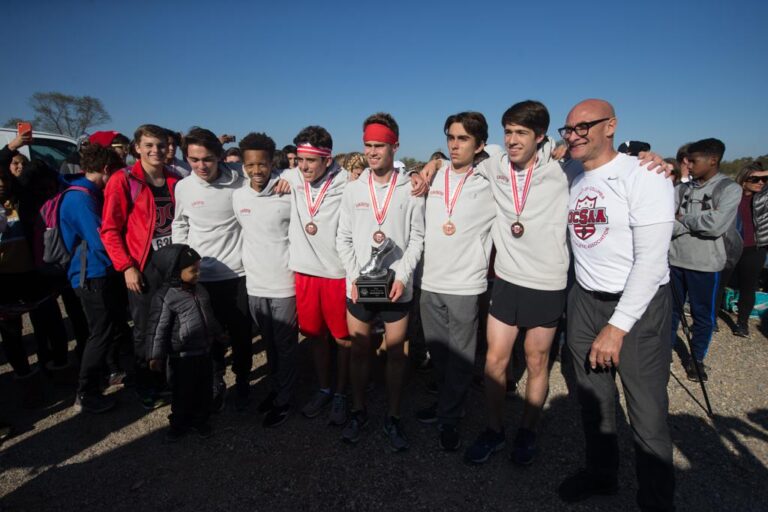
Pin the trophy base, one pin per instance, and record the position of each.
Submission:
(375, 289)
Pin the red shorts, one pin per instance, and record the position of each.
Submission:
(321, 305)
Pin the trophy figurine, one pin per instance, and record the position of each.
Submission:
(375, 281)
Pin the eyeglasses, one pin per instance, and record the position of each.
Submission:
(757, 179)
(581, 129)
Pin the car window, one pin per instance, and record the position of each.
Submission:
(53, 152)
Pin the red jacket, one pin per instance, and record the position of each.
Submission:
(127, 224)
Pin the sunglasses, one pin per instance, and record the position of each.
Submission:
(757, 179)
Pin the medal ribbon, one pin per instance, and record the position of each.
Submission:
(381, 214)
(313, 207)
(519, 205)
(450, 203)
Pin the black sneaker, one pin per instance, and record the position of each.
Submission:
(174, 434)
(5, 431)
(427, 415)
(242, 395)
(741, 330)
(487, 443)
(204, 431)
(690, 371)
(583, 485)
(356, 424)
(267, 404)
(524, 447)
(219, 390)
(93, 403)
(117, 378)
(276, 416)
(450, 440)
(393, 428)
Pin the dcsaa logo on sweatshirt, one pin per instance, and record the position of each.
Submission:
(587, 218)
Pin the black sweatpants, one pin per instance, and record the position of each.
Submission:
(644, 371)
(192, 388)
(100, 299)
(229, 299)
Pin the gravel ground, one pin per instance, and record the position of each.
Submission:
(59, 460)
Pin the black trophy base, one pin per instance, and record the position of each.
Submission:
(375, 289)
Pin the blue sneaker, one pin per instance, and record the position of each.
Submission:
(524, 447)
(487, 443)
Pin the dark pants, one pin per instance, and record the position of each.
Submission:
(74, 309)
(103, 310)
(644, 372)
(48, 326)
(276, 319)
(747, 275)
(450, 328)
(139, 305)
(701, 290)
(192, 390)
(230, 307)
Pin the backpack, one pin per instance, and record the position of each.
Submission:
(54, 258)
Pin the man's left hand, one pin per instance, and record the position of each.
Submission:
(397, 291)
(606, 347)
(419, 186)
(282, 187)
(655, 162)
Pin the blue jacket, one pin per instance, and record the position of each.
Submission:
(80, 219)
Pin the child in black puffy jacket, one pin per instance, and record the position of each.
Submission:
(181, 328)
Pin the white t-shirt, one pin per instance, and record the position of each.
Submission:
(604, 205)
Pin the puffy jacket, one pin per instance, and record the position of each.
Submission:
(128, 220)
(760, 217)
(181, 319)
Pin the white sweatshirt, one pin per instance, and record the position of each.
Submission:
(404, 224)
(205, 220)
(539, 259)
(458, 264)
(264, 218)
(316, 255)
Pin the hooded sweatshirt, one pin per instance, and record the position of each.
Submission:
(404, 224)
(538, 259)
(457, 264)
(264, 218)
(697, 236)
(205, 220)
(316, 255)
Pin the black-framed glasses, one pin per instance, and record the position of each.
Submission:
(757, 179)
(581, 129)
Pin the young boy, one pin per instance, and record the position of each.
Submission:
(182, 327)
(264, 217)
(377, 206)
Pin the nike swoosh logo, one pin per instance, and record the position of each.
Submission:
(611, 178)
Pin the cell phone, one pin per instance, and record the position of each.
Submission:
(231, 138)
(23, 127)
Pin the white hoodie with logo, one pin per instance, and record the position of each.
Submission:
(205, 220)
(404, 224)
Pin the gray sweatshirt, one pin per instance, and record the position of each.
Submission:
(539, 259)
(404, 224)
(315, 255)
(697, 236)
(458, 264)
(205, 220)
(264, 218)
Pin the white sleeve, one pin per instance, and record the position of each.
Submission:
(180, 225)
(651, 244)
(412, 255)
(344, 244)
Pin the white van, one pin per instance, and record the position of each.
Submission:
(52, 148)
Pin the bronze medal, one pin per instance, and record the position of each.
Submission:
(517, 230)
(311, 228)
(449, 228)
(379, 236)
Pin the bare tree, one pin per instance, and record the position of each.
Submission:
(67, 114)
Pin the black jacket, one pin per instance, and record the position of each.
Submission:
(181, 320)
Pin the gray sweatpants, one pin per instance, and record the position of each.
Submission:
(276, 319)
(450, 330)
(644, 372)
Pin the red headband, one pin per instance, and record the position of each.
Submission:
(313, 150)
(376, 132)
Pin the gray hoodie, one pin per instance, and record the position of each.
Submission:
(703, 217)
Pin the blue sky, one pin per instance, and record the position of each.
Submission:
(675, 70)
